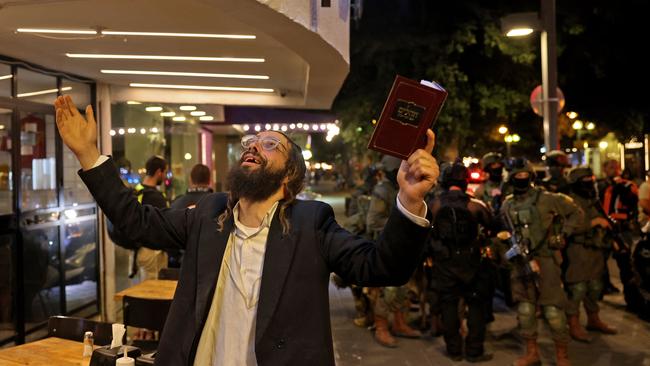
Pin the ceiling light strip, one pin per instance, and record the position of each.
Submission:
(173, 34)
(41, 92)
(201, 87)
(55, 31)
(159, 57)
(191, 74)
(5, 77)
(129, 33)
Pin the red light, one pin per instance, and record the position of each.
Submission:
(475, 175)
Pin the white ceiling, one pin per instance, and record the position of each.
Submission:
(304, 70)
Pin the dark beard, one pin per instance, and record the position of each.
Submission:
(256, 185)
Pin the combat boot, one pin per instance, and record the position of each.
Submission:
(531, 358)
(594, 323)
(561, 354)
(401, 329)
(382, 335)
(576, 331)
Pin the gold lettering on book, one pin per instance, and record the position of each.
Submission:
(407, 112)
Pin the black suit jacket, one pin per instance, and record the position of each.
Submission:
(293, 324)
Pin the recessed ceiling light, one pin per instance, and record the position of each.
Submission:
(41, 92)
(132, 102)
(58, 31)
(172, 34)
(160, 57)
(187, 108)
(197, 113)
(206, 118)
(153, 109)
(179, 118)
(190, 74)
(167, 114)
(201, 87)
(4, 77)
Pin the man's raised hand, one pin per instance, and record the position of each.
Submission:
(417, 176)
(77, 132)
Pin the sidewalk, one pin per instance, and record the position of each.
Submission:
(356, 346)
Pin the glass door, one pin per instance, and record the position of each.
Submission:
(7, 228)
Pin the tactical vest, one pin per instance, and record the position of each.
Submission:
(596, 237)
(528, 221)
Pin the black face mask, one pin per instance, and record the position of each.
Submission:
(521, 185)
(585, 189)
(496, 174)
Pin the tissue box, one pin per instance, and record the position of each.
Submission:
(105, 356)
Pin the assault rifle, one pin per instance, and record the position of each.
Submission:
(519, 252)
(620, 245)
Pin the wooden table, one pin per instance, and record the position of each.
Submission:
(46, 352)
(150, 289)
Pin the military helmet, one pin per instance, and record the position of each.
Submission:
(489, 158)
(577, 173)
(517, 165)
(455, 173)
(557, 158)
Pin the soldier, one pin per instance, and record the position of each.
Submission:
(557, 162)
(461, 226)
(533, 213)
(387, 300)
(491, 192)
(584, 254)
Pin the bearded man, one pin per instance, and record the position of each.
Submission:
(253, 286)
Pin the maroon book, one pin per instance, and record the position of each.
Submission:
(410, 110)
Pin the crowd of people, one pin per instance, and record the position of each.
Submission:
(540, 244)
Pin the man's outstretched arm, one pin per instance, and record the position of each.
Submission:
(153, 227)
(394, 257)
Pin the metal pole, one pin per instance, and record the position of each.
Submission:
(549, 75)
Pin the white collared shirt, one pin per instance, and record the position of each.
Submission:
(228, 337)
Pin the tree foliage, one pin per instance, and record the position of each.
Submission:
(490, 77)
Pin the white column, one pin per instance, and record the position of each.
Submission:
(107, 248)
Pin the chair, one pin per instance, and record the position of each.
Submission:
(169, 274)
(73, 328)
(145, 313)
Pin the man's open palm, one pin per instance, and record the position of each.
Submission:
(77, 132)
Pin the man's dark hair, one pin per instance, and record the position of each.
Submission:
(154, 164)
(200, 175)
(295, 170)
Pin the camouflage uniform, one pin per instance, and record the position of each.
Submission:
(534, 213)
(584, 254)
(387, 300)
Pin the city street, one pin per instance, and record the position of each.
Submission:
(356, 346)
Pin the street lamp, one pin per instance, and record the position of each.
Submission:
(580, 128)
(522, 24)
(503, 130)
(509, 139)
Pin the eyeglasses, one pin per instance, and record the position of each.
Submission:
(268, 143)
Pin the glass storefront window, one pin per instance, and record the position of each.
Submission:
(41, 273)
(5, 80)
(137, 135)
(36, 87)
(184, 154)
(6, 200)
(38, 163)
(80, 248)
(7, 313)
